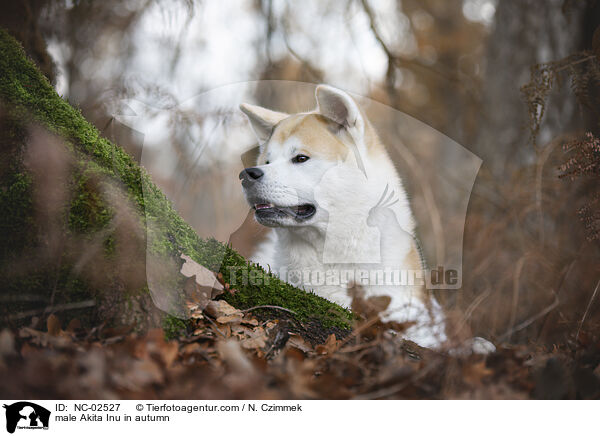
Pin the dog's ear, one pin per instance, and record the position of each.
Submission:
(262, 120)
(341, 108)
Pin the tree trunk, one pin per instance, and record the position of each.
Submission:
(83, 229)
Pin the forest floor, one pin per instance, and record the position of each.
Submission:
(230, 354)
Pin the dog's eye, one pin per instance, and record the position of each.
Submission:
(267, 163)
(300, 158)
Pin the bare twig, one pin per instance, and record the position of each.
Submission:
(356, 332)
(308, 68)
(399, 61)
(214, 324)
(530, 321)
(52, 309)
(471, 308)
(22, 297)
(558, 292)
(269, 306)
(515, 296)
(361, 346)
(587, 309)
(580, 61)
(394, 389)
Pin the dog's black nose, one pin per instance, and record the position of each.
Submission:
(251, 173)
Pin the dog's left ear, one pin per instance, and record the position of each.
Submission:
(341, 108)
(263, 120)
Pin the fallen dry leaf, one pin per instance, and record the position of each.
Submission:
(257, 339)
(197, 296)
(169, 353)
(221, 308)
(475, 373)
(203, 276)
(229, 319)
(250, 321)
(329, 346)
(299, 343)
(74, 325)
(192, 348)
(53, 325)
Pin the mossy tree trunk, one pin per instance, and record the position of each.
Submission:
(81, 223)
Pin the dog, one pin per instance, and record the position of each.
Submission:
(338, 212)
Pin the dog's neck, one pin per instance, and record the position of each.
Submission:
(301, 241)
(323, 244)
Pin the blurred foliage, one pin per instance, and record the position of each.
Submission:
(584, 161)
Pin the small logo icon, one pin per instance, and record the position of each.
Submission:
(26, 415)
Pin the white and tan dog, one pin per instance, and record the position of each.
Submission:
(338, 211)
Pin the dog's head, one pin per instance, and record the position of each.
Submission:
(307, 161)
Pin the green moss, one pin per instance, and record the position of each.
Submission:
(26, 94)
(265, 289)
(87, 213)
(174, 327)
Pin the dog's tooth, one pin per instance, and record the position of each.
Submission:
(261, 206)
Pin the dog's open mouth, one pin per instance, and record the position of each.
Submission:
(299, 213)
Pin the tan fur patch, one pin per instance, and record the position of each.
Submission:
(314, 131)
(414, 262)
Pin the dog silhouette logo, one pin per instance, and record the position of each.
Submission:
(26, 415)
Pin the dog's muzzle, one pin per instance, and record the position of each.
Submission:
(268, 213)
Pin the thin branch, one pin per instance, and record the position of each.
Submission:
(305, 64)
(214, 324)
(397, 388)
(530, 321)
(587, 309)
(356, 332)
(269, 306)
(52, 309)
(515, 296)
(580, 61)
(398, 60)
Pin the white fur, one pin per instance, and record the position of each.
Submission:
(349, 230)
